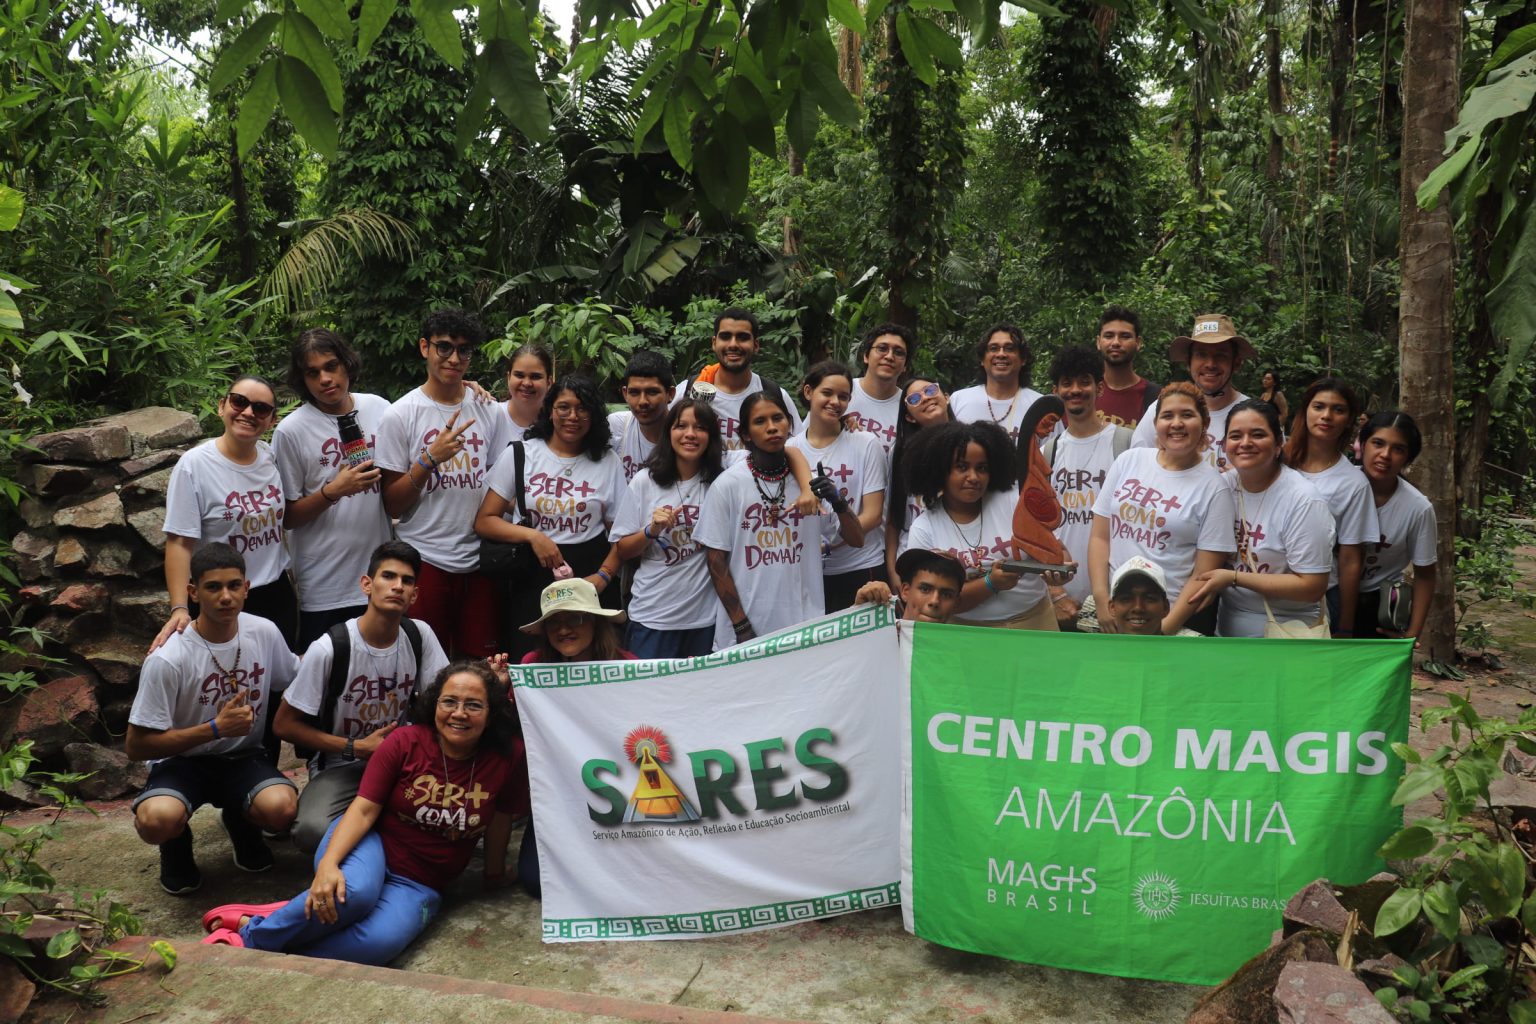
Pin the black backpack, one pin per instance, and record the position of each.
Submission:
(325, 721)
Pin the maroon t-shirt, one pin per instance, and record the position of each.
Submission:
(1124, 408)
(430, 823)
(536, 657)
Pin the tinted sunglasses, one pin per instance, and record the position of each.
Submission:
(444, 349)
(735, 336)
(240, 403)
(926, 391)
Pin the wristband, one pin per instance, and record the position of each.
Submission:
(214, 725)
(427, 452)
(179, 608)
(744, 626)
(328, 499)
(605, 574)
(647, 531)
(987, 579)
(348, 750)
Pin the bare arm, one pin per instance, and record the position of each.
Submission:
(293, 725)
(491, 524)
(1351, 566)
(975, 591)
(350, 480)
(871, 511)
(235, 718)
(1098, 572)
(850, 528)
(892, 538)
(1194, 596)
(1423, 597)
(725, 586)
(178, 573)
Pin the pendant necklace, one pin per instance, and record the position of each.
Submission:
(467, 789)
(772, 502)
(227, 673)
(974, 546)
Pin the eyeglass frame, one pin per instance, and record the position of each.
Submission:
(471, 707)
(466, 351)
(929, 390)
(240, 403)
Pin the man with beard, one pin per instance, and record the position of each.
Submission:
(1004, 395)
(726, 384)
(1126, 394)
(1214, 351)
(648, 390)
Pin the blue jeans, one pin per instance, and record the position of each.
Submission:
(645, 642)
(383, 913)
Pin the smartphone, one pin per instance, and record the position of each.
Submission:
(1033, 568)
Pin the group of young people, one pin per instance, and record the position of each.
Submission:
(410, 550)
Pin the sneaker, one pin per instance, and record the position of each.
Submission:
(251, 854)
(178, 870)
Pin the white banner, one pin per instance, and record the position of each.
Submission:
(753, 788)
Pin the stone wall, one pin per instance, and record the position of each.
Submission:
(90, 562)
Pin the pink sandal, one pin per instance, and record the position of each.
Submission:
(228, 916)
(224, 937)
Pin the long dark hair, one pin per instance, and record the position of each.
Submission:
(325, 342)
(1297, 446)
(595, 444)
(1270, 415)
(775, 396)
(1401, 422)
(663, 461)
(501, 721)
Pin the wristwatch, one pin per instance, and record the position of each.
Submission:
(348, 750)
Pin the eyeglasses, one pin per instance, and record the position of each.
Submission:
(572, 412)
(735, 336)
(444, 349)
(888, 350)
(1007, 348)
(240, 403)
(452, 704)
(926, 391)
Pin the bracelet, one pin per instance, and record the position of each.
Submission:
(349, 749)
(428, 453)
(987, 579)
(647, 531)
(742, 627)
(214, 725)
(328, 499)
(179, 608)
(605, 574)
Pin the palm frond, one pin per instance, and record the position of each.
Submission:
(316, 260)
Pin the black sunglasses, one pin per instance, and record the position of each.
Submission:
(444, 349)
(240, 403)
(735, 336)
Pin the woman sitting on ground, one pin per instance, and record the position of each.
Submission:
(572, 626)
(382, 867)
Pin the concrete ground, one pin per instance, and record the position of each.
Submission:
(846, 970)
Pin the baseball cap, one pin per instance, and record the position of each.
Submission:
(1136, 565)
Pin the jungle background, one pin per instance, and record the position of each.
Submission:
(186, 184)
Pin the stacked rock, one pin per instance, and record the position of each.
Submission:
(90, 562)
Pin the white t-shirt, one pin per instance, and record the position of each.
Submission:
(1287, 529)
(1078, 473)
(671, 588)
(776, 565)
(216, 501)
(877, 417)
(441, 525)
(1165, 516)
(857, 462)
(977, 545)
(1215, 434)
(971, 405)
(1348, 494)
(1408, 535)
(330, 554)
(515, 430)
(380, 683)
(569, 499)
(628, 442)
(182, 683)
(909, 516)
(728, 408)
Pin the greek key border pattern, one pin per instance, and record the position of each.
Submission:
(719, 922)
(853, 622)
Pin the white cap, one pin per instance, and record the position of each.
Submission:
(1136, 565)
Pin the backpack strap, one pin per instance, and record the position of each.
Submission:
(336, 682)
(413, 635)
(1122, 441)
(1049, 451)
(518, 456)
(1149, 395)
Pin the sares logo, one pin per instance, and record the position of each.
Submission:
(778, 776)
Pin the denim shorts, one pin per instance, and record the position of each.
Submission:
(221, 781)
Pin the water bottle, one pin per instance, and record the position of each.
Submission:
(354, 446)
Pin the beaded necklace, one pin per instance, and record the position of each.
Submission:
(773, 501)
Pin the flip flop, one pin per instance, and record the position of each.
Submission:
(228, 916)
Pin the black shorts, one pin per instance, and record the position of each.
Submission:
(221, 781)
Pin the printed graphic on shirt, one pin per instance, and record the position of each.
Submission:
(217, 688)
(1142, 514)
(676, 543)
(445, 808)
(258, 515)
(465, 471)
(559, 503)
(1076, 489)
(775, 537)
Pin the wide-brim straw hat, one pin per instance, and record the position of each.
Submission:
(573, 595)
(1211, 329)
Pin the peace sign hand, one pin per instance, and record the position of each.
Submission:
(449, 441)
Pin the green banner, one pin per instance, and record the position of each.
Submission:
(1140, 806)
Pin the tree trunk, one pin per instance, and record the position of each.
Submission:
(239, 194)
(1274, 237)
(792, 237)
(1431, 92)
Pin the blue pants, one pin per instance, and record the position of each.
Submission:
(645, 642)
(383, 913)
